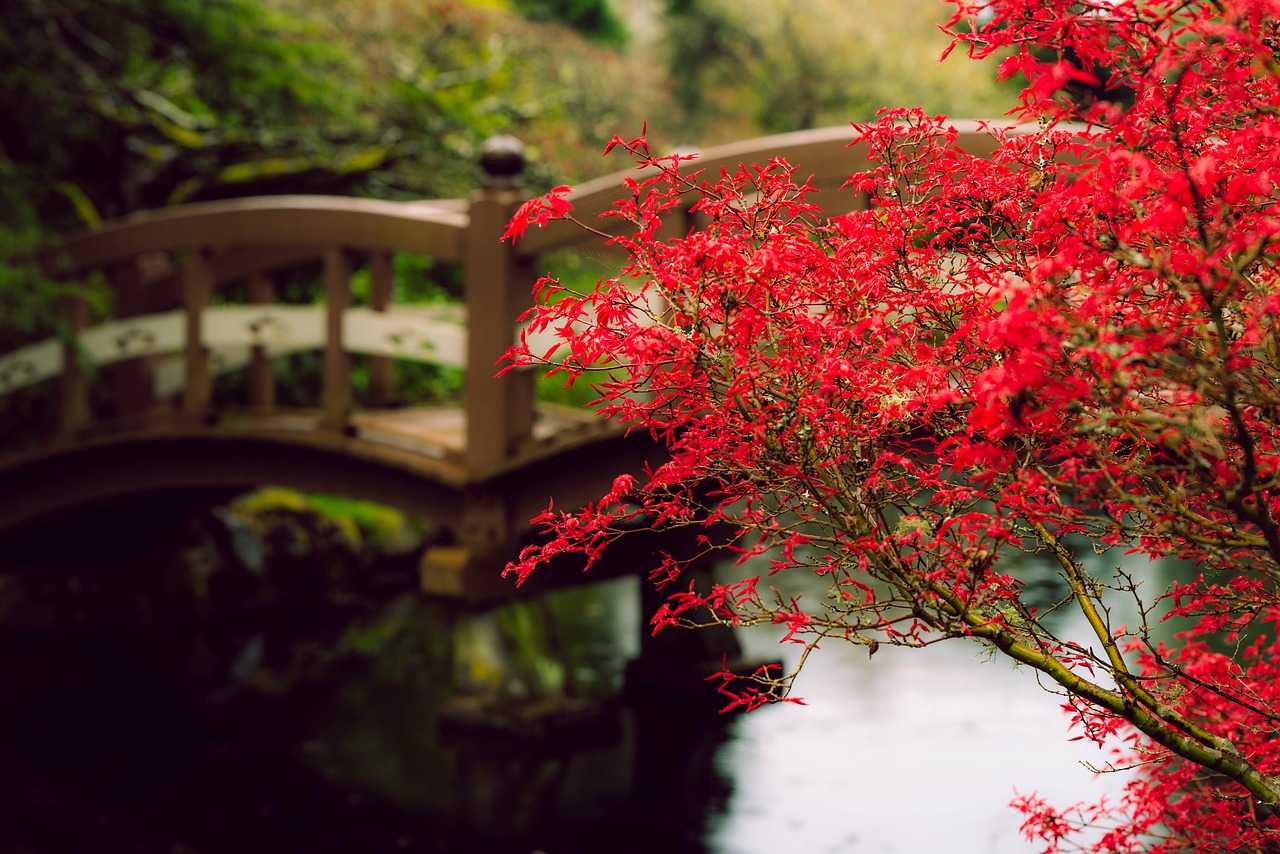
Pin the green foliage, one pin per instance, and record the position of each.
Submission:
(739, 67)
(450, 73)
(578, 271)
(362, 525)
(128, 104)
(378, 526)
(270, 499)
(593, 18)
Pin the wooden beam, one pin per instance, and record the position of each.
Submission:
(197, 285)
(131, 378)
(262, 375)
(499, 287)
(382, 370)
(432, 228)
(336, 404)
(73, 394)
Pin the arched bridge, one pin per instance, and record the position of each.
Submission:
(135, 391)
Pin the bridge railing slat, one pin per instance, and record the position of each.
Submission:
(262, 374)
(382, 374)
(197, 289)
(130, 377)
(336, 402)
(73, 389)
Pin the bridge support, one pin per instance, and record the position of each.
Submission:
(197, 290)
(382, 370)
(499, 288)
(470, 567)
(131, 377)
(73, 392)
(262, 375)
(337, 364)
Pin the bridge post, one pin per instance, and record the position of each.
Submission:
(336, 403)
(262, 377)
(73, 394)
(131, 377)
(499, 287)
(197, 290)
(382, 376)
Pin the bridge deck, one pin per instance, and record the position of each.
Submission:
(430, 440)
(441, 431)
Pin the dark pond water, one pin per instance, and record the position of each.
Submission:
(328, 727)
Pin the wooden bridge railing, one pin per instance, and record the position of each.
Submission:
(167, 339)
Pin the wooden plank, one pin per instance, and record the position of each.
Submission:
(423, 228)
(382, 370)
(262, 375)
(336, 403)
(132, 376)
(197, 286)
(73, 393)
(499, 288)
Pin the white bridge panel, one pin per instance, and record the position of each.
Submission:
(30, 365)
(146, 335)
(276, 328)
(422, 335)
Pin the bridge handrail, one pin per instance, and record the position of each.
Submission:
(823, 153)
(437, 229)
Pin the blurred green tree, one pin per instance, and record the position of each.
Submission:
(738, 67)
(128, 104)
(593, 18)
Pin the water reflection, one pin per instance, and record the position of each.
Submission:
(916, 750)
(325, 728)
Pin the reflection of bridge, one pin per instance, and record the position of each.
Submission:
(146, 421)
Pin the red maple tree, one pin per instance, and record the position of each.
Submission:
(1068, 344)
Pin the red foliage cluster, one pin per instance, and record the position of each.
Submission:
(1070, 341)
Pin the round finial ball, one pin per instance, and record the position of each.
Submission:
(502, 159)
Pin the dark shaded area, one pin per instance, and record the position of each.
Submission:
(125, 533)
(297, 706)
